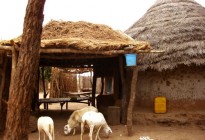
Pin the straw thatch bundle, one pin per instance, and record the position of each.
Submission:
(84, 37)
(175, 26)
(67, 29)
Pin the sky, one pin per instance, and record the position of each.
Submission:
(118, 14)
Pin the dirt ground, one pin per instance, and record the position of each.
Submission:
(181, 125)
(173, 125)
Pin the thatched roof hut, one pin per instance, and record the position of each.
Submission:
(176, 27)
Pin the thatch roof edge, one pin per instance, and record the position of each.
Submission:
(77, 45)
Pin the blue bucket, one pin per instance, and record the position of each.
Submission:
(131, 59)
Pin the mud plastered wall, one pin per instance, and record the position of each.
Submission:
(184, 87)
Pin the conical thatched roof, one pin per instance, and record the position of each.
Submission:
(175, 26)
(83, 37)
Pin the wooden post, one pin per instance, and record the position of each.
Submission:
(102, 88)
(132, 101)
(124, 99)
(44, 87)
(43, 82)
(2, 86)
(3, 71)
(61, 88)
(78, 82)
(94, 88)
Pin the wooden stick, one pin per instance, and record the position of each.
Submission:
(124, 94)
(2, 85)
(132, 101)
(67, 50)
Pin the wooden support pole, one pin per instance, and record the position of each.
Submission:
(124, 95)
(2, 86)
(102, 88)
(60, 83)
(132, 101)
(43, 82)
(78, 82)
(94, 88)
(47, 50)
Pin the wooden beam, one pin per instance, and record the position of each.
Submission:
(68, 50)
(71, 56)
(132, 101)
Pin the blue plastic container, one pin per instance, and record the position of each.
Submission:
(131, 59)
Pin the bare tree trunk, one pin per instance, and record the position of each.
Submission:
(23, 79)
(132, 101)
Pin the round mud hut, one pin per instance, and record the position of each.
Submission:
(177, 28)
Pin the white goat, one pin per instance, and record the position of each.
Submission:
(75, 119)
(46, 126)
(94, 120)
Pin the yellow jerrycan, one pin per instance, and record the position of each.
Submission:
(160, 104)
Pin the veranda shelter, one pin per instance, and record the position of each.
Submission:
(80, 44)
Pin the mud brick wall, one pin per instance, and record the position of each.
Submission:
(184, 88)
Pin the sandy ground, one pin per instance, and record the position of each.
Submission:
(173, 125)
(169, 126)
